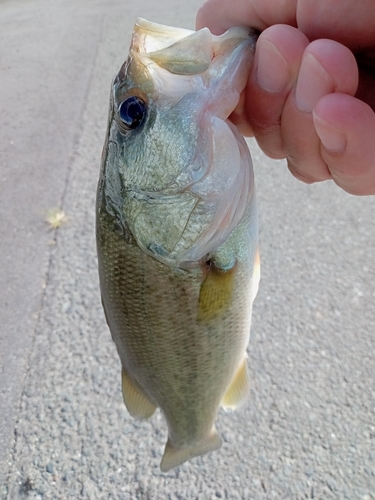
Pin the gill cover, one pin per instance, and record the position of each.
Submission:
(184, 203)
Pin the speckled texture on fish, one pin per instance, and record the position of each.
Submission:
(180, 180)
(182, 363)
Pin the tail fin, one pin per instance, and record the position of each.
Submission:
(174, 456)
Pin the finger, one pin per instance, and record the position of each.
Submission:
(350, 23)
(366, 66)
(346, 128)
(239, 117)
(220, 15)
(326, 67)
(274, 72)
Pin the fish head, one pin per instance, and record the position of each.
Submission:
(176, 173)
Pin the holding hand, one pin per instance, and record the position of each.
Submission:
(310, 96)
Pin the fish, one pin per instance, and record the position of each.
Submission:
(177, 230)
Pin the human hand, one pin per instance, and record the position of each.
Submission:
(310, 96)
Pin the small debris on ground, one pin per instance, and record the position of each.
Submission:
(55, 217)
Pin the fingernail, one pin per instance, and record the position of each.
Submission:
(313, 83)
(333, 140)
(273, 72)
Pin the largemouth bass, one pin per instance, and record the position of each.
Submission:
(177, 230)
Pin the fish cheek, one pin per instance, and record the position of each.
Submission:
(216, 292)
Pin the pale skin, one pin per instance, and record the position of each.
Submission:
(310, 96)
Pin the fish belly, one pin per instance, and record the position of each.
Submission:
(181, 336)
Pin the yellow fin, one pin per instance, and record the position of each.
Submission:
(135, 401)
(215, 295)
(174, 456)
(256, 274)
(239, 388)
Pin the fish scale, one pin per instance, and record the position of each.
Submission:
(181, 328)
(162, 349)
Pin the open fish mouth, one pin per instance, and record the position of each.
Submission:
(223, 61)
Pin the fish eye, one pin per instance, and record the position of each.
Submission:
(132, 111)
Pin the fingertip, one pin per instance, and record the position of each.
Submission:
(276, 63)
(326, 67)
(199, 19)
(346, 128)
(332, 138)
(338, 61)
(205, 18)
(278, 55)
(347, 116)
(220, 15)
(273, 73)
(290, 39)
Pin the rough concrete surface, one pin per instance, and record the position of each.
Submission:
(308, 429)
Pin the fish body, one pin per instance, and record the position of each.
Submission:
(177, 230)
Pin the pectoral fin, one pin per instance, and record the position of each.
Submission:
(174, 456)
(239, 388)
(216, 292)
(137, 404)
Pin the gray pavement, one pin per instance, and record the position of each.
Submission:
(308, 430)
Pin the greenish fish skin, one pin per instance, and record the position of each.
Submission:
(177, 232)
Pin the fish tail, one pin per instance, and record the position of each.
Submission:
(175, 455)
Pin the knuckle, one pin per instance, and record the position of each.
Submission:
(301, 176)
(270, 140)
(307, 171)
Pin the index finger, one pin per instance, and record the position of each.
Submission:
(220, 15)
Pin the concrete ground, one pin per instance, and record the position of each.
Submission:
(308, 429)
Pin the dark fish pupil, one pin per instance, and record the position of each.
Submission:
(132, 111)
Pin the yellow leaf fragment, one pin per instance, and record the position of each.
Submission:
(55, 217)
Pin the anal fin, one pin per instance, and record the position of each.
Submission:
(174, 455)
(239, 389)
(137, 404)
